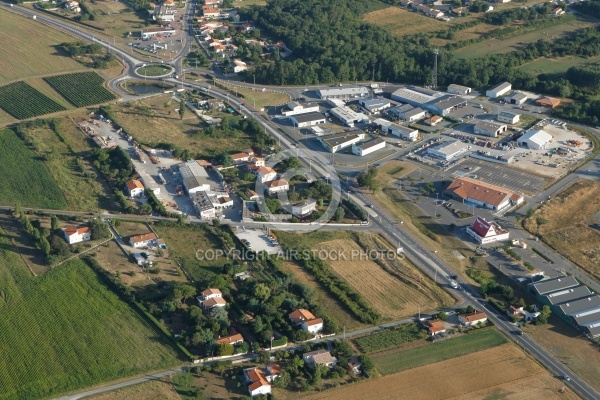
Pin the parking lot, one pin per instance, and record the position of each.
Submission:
(500, 175)
(258, 240)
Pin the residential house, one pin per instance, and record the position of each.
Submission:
(239, 66)
(257, 382)
(77, 234)
(146, 239)
(306, 320)
(354, 365)
(319, 357)
(473, 318)
(243, 157)
(278, 185)
(519, 312)
(231, 339)
(212, 303)
(557, 11)
(211, 293)
(434, 327)
(266, 174)
(304, 208)
(485, 232)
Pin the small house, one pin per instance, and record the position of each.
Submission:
(77, 235)
(473, 318)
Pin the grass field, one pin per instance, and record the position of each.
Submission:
(65, 330)
(81, 89)
(495, 46)
(82, 193)
(22, 58)
(30, 183)
(154, 70)
(22, 101)
(154, 120)
(154, 390)
(502, 372)
(258, 99)
(390, 338)
(399, 21)
(393, 287)
(570, 231)
(555, 65)
(473, 32)
(396, 361)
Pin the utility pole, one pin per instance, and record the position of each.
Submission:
(435, 68)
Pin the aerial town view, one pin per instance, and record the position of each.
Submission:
(299, 199)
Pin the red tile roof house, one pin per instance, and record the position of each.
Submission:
(487, 232)
(212, 303)
(134, 188)
(306, 320)
(260, 379)
(472, 318)
(143, 239)
(434, 326)
(77, 235)
(232, 339)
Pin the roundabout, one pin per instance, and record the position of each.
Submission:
(154, 70)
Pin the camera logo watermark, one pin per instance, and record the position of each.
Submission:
(314, 167)
(297, 255)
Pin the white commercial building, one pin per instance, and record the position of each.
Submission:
(308, 119)
(517, 98)
(194, 177)
(498, 90)
(368, 147)
(403, 132)
(508, 117)
(151, 32)
(408, 113)
(488, 128)
(304, 208)
(485, 232)
(535, 139)
(347, 116)
(293, 108)
(203, 204)
(448, 150)
(458, 89)
(342, 92)
(374, 106)
(339, 141)
(412, 97)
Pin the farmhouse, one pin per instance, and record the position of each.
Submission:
(368, 147)
(549, 102)
(77, 235)
(498, 90)
(347, 116)
(151, 32)
(258, 384)
(473, 318)
(445, 104)
(347, 92)
(508, 117)
(374, 106)
(278, 185)
(134, 188)
(482, 194)
(203, 204)
(408, 113)
(339, 141)
(434, 326)
(146, 239)
(294, 108)
(548, 286)
(403, 132)
(519, 312)
(308, 119)
(535, 140)
(194, 177)
(232, 339)
(448, 150)
(242, 157)
(486, 232)
(212, 303)
(517, 98)
(458, 89)
(488, 128)
(304, 208)
(210, 293)
(319, 357)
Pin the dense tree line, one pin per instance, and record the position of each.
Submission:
(591, 7)
(518, 14)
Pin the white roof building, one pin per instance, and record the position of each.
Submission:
(346, 92)
(458, 89)
(535, 139)
(293, 108)
(194, 176)
(498, 90)
(347, 116)
(368, 147)
(374, 106)
(339, 141)
(487, 232)
(448, 150)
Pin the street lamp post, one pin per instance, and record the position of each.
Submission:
(254, 79)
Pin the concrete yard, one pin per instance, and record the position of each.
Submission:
(257, 239)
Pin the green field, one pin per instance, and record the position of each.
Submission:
(26, 180)
(390, 338)
(27, 49)
(476, 340)
(22, 101)
(81, 89)
(65, 330)
(555, 65)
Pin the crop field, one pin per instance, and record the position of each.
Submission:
(396, 361)
(82, 190)
(502, 372)
(21, 58)
(555, 65)
(154, 120)
(390, 338)
(30, 183)
(399, 21)
(393, 287)
(82, 89)
(22, 101)
(495, 46)
(571, 233)
(65, 330)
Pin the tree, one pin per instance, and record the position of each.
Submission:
(181, 108)
(545, 313)
(54, 223)
(145, 209)
(366, 363)
(224, 159)
(219, 314)
(339, 214)
(225, 349)
(342, 348)
(45, 246)
(99, 229)
(262, 292)
(202, 337)
(263, 357)
(183, 291)
(367, 179)
(18, 209)
(443, 316)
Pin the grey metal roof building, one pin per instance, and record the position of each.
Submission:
(194, 177)
(411, 96)
(588, 318)
(593, 331)
(308, 117)
(374, 104)
(343, 92)
(579, 306)
(445, 104)
(570, 294)
(552, 285)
